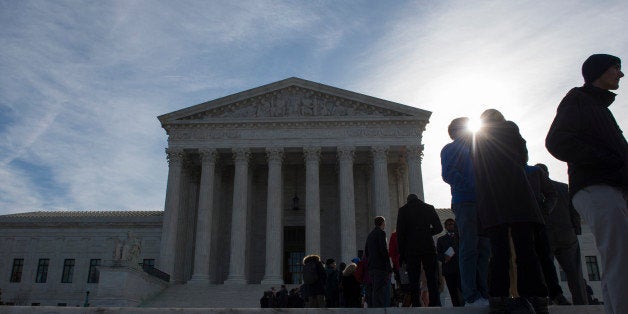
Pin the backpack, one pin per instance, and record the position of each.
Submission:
(310, 273)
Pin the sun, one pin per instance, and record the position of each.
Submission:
(474, 125)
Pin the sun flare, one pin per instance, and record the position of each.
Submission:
(474, 125)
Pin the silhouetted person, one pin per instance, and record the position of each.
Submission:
(507, 203)
(447, 248)
(313, 290)
(586, 136)
(417, 222)
(351, 290)
(475, 249)
(563, 227)
(331, 286)
(379, 268)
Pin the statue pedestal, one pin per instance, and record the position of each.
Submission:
(122, 285)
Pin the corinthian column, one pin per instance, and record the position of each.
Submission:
(238, 217)
(204, 216)
(347, 203)
(171, 213)
(380, 176)
(274, 221)
(414, 155)
(312, 201)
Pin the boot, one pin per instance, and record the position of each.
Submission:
(540, 304)
(498, 305)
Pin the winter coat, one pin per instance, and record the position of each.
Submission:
(317, 288)
(502, 189)
(351, 291)
(376, 251)
(417, 222)
(457, 170)
(543, 190)
(563, 224)
(586, 136)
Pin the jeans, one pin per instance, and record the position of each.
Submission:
(544, 252)
(475, 251)
(605, 210)
(568, 256)
(530, 281)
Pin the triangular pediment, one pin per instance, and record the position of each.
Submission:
(292, 98)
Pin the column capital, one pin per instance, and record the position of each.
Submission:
(174, 155)
(312, 153)
(380, 153)
(414, 153)
(346, 153)
(208, 155)
(274, 154)
(241, 154)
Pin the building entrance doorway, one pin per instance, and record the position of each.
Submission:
(294, 251)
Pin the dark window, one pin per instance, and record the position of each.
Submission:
(94, 274)
(62, 304)
(35, 304)
(148, 262)
(16, 273)
(592, 268)
(68, 270)
(42, 270)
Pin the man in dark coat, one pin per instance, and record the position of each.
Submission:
(563, 227)
(379, 268)
(586, 136)
(506, 204)
(332, 292)
(447, 248)
(546, 197)
(417, 222)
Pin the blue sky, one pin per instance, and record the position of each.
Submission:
(82, 82)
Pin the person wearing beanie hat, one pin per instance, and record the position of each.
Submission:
(596, 65)
(585, 134)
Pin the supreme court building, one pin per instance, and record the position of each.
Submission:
(261, 178)
(256, 180)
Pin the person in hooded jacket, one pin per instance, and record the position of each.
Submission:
(314, 294)
(584, 134)
(351, 289)
(506, 203)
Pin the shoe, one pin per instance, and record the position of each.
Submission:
(561, 300)
(497, 305)
(540, 304)
(481, 302)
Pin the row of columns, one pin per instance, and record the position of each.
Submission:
(274, 219)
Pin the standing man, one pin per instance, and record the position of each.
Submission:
(563, 227)
(475, 250)
(506, 203)
(586, 136)
(376, 251)
(331, 286)
(447, 247)
(417, 222)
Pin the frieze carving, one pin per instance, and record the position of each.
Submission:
(294, 102)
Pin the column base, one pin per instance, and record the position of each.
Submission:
(272, 280)
(235, 280)
(199, 279)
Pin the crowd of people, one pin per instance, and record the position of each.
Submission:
(511, 220)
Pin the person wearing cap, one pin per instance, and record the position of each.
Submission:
(584, 134)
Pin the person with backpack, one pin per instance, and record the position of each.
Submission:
(314, 279)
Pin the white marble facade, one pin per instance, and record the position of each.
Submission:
(236, 163)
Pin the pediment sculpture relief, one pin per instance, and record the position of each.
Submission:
(293, 102)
